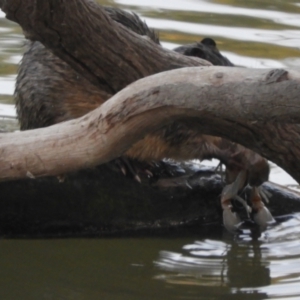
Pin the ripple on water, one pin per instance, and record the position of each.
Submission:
(288, 38)
(205, 6)
(268, 266)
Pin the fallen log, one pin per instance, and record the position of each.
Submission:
(209, 101)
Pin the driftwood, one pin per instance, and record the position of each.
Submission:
(198, 96)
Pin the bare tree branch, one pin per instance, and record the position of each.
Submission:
(229, 102)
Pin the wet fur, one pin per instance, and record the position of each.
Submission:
(49, 91)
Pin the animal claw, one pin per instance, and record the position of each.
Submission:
(231, 190)
(244, 203)
(127, 167)
(265, 195)
(219, 170)
(263, 217)
(231, 220)
(137, 178)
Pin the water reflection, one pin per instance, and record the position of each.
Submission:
(277, 16)
(7, 85)
(215, 266)
(266, 267)
(288, 38)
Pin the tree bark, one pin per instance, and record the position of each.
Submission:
(212, 101)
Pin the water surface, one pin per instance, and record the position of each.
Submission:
(209, 265)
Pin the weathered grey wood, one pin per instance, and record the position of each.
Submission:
(212, 101)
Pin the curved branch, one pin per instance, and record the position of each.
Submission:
(210, 99)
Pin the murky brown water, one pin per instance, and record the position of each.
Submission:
(210, 265)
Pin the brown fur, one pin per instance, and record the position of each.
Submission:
(79, 104)
(156, 147)
(48, 91)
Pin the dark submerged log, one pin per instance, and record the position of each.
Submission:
(101, 202)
